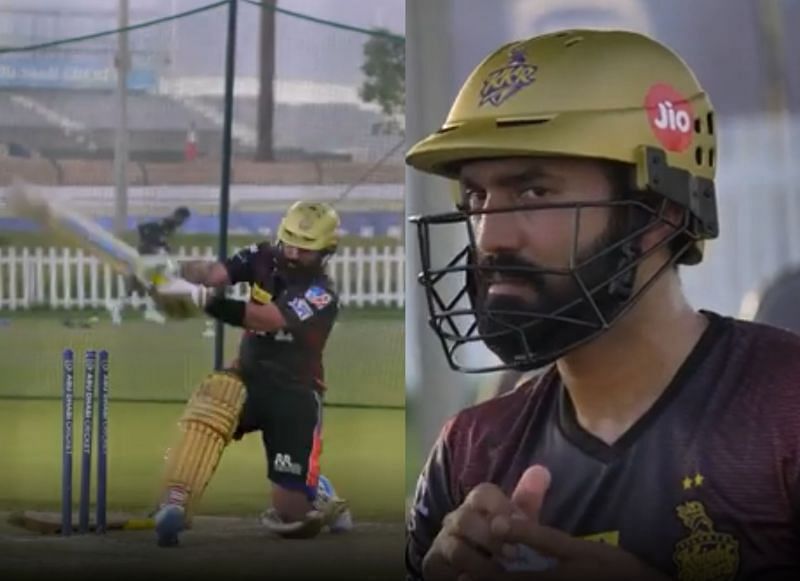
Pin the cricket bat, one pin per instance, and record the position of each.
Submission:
(71, 227)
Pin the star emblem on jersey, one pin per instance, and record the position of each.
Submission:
(695, 481)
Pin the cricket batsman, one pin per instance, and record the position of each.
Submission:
(277, 385)
(659, 441)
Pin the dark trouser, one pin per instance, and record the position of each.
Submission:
(290, 421)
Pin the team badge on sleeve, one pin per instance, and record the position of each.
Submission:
(301, 308)
(318, 297)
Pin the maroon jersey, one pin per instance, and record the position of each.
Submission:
(292, 356)
(706, 485)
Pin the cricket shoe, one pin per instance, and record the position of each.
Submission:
(338, 518)
(307, 528)
(170, 520)
(335, 510)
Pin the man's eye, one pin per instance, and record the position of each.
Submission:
(474, 198)
(534, 193)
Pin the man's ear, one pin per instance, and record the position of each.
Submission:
(670, 218)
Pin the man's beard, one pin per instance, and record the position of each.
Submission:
(530, 333)
(296, 271)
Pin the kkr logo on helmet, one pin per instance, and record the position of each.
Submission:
(506, 81)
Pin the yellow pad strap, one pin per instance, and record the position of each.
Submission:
(217, 404)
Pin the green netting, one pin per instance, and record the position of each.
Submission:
(60, 128)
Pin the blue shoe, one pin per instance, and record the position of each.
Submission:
(170, 520)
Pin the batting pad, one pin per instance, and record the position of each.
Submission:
(205, 428)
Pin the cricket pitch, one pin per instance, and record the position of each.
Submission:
(216, 547)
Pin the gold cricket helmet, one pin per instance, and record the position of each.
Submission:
(310, 226)
(612, 95)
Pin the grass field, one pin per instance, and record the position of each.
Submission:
(364, 362)
(363, 454)
(150, 364)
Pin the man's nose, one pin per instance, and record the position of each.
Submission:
(500, 231)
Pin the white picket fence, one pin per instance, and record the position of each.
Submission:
(64, 278)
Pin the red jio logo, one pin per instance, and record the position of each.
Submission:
(670, 116)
